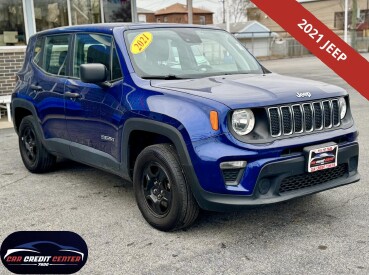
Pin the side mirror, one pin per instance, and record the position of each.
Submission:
(93, 73)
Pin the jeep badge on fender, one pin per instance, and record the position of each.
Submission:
(184, 112)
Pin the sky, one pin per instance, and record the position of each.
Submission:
(212, 5)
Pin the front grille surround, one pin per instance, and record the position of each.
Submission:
(298, 118)
(305, 117)
(318, 115)
(287, 120)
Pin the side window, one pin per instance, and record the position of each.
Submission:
(37, 52)
(116, 71)
(54, 54)
(92, 48)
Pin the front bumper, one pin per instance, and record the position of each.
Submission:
(277, 172)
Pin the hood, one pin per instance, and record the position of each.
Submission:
(242, 91)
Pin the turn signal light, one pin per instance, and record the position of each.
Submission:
(214, 120)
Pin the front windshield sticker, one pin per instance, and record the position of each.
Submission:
(141, 42)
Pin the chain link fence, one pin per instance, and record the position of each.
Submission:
(274, 45)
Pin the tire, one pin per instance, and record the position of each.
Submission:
(158, 172)
(34, 155)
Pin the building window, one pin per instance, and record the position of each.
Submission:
(12, 30)
(165, 19)
(117, 11)
(50, 14)
(202, 20)
(85, 11)
(142, 18)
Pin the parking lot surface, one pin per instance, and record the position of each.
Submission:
(327, 233)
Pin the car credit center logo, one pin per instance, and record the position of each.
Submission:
(44, 252)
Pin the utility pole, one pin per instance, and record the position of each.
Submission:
(354, 23)
(190, 13)
(228, 27)
(223, 2)
(134, 11)
(346, 21)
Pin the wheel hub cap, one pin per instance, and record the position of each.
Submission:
(156, 189)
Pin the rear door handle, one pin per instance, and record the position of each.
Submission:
(72, 95)
(36, 87)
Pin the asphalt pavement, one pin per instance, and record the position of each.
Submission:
(327, 233)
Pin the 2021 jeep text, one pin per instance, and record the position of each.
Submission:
(185, 113)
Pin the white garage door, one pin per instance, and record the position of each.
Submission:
(259, 47)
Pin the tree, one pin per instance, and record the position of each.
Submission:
(238, 10)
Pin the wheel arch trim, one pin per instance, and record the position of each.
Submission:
(143, 124)
(24, 104)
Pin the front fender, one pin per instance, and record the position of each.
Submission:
(171, 107)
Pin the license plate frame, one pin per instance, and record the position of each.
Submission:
(322, 158)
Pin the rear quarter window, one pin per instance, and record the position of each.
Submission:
(50, 53)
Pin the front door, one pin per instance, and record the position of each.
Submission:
(94, 112)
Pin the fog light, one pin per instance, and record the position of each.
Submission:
(264, 186)
(233, 164)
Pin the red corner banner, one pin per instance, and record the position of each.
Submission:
(320, 40)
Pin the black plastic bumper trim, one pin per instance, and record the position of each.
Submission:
(275, 172)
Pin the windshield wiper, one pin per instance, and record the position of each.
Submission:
(166, 77)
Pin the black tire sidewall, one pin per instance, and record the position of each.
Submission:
(27, 122)
(171, 219)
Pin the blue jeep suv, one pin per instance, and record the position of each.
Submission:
(184, 112)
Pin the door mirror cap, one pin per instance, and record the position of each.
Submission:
(94, 73)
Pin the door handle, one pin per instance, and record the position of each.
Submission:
(72, 95)
(36, 87)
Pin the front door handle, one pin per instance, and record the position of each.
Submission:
(36, 87)
(72, 95)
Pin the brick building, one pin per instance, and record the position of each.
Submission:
(145, 16)
(330, 12)
(178, 13)
(11, 60)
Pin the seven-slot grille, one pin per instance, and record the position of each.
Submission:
(304, 117)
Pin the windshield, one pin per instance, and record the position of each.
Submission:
(172, 53)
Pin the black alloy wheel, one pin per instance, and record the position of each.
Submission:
(157, 189)
(35, 156)
(162, 194)
(28, 144)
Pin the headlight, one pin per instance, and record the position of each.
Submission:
(343, 107)
(243, 121)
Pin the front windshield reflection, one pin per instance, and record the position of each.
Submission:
(175, 53)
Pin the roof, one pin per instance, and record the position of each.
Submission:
(142, 11)
(108, 27)
(249, 29)
(180, 8)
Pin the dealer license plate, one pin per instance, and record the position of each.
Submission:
(322, 158)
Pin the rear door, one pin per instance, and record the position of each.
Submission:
(47, 83)
(94, 112)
